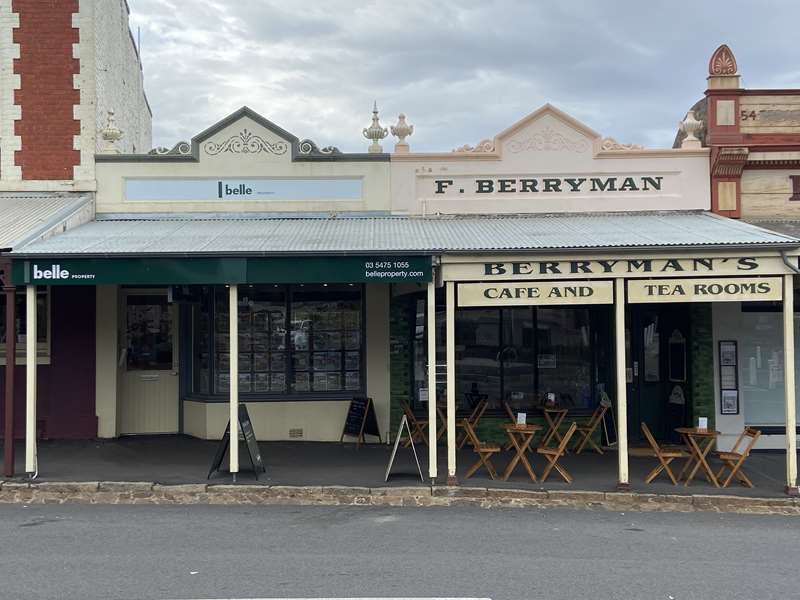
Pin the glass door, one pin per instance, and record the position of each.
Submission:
(148, 363)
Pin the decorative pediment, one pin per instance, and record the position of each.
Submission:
(548, 130)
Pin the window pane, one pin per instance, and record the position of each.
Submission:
(202, 342)
(565, 357)
(325, 334)
(478, 346)
(149, 332)
(517, 357)
(262, 339)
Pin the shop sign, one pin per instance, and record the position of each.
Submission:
(526, 293)
(241, 190)
(628, 267)
(510, 186)
(721, 289)
(223, 270)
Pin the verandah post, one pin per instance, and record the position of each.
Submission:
(31, 459)
(788, 385)
(451, 383)
(11, 353)
(622, 401)
(233, 317)
(432, 424)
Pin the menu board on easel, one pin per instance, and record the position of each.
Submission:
(361, 421)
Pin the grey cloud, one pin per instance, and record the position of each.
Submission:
(461, 70)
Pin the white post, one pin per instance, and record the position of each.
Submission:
(622, 400)
(451, 383)
(432, 422)
(31, 458)
(233, 310)
(788, 385)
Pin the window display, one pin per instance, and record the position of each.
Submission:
(292, 339)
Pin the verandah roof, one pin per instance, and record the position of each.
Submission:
(261, 235)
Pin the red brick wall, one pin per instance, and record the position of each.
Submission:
(47, 92)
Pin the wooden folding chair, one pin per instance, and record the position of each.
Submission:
(553, 454)
(733, 460)
(587, 430)
(484, 451)
(665, 456)
(417, 426)
(472, 419)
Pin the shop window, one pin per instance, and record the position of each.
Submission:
(761, 371)
(293, 340)
(42, 326)
(517, 355)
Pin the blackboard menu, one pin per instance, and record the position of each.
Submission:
(361, 420)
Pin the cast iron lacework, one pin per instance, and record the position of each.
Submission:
(179, 149)
(309, 147)
(246, 142)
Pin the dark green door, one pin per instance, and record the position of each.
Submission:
(652, 334)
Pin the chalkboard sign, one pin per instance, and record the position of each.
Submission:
(246, 427)
(360, 421)
(608, 436)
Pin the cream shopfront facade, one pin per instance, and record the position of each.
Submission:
(594, 267)
(547, 260)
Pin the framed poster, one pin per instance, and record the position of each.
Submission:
(729, 403)
(727, 353)
(728, 377)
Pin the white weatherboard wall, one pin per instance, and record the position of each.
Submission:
(320, 420)
(750, 331)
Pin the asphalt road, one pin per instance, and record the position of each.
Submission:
(288, 552)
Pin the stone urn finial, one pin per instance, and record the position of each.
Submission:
(111, 134)
(690, 126)
(375, 132)
(401, 131)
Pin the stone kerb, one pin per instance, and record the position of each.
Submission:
(120, 492)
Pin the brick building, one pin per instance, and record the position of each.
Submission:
(64, 66)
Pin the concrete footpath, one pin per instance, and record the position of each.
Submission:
(114, 492)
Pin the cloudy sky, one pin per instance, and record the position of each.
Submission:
(462, 70)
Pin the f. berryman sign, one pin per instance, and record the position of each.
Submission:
(547, 185)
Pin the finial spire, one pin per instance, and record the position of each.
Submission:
(375, 132)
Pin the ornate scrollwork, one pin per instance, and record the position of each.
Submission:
(245, 142)
(610, 143)
(179, 149)
(547, 140)
(482, 146)
(308, 147)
